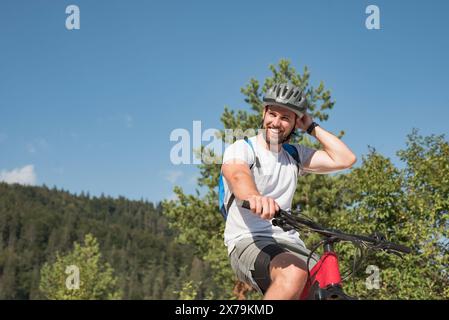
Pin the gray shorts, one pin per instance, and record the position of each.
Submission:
(250, 259)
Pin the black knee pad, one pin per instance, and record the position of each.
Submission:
(261, 272)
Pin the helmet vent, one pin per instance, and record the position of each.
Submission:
(286, 95)
(284, 91)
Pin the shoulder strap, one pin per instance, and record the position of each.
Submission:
(256, 162)
(256, 159)
(291, 149)
(293, 152)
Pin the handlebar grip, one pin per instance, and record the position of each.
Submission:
(399, 247)
(246, 205)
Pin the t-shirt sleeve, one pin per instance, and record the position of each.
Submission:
(239, 150)
(305, 153)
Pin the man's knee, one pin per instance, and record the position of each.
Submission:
(291, 277)
(288, 271)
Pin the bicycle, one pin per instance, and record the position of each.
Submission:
(324, 280)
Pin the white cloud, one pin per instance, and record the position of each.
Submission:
(25, 175)
(173, 175)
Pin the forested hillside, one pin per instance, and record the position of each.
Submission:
(37, 222)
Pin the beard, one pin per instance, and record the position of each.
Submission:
(275, 136)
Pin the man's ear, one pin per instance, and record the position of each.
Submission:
(297, 119)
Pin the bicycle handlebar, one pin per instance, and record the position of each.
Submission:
(283, 217)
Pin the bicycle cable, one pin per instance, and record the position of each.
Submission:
(309, 256)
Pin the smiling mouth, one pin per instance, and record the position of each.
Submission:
(276, 132)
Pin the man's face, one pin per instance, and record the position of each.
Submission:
(278, 122)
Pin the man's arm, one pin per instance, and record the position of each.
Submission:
(241, 183)
(240, 179)
(335, 155)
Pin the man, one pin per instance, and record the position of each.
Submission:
(261, 171)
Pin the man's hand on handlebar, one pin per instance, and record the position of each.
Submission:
(264, 207)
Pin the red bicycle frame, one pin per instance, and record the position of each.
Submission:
(324, 282)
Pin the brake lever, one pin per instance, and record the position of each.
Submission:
(381, 245)
(281, 223)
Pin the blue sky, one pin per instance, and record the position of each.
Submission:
(93, 109)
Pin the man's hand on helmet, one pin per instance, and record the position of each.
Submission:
(304, 122)
(264, 207)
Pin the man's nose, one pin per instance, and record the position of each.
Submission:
(276, 122)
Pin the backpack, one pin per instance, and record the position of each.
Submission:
(224, 208)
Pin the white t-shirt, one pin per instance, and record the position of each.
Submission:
(276, 178)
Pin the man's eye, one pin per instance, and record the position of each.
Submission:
(285, 118)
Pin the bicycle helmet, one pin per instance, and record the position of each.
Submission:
(288, 96)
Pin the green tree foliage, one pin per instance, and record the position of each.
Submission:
(91, 278)
(189, 290)
(409, 206)
(38, 222)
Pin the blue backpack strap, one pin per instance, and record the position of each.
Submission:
(256, 159)
(221, 193)
(291, 149)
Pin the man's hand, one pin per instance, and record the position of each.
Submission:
(264, 207)
(304, 122)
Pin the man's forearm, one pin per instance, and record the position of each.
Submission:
(243, 186)
(334, 147)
